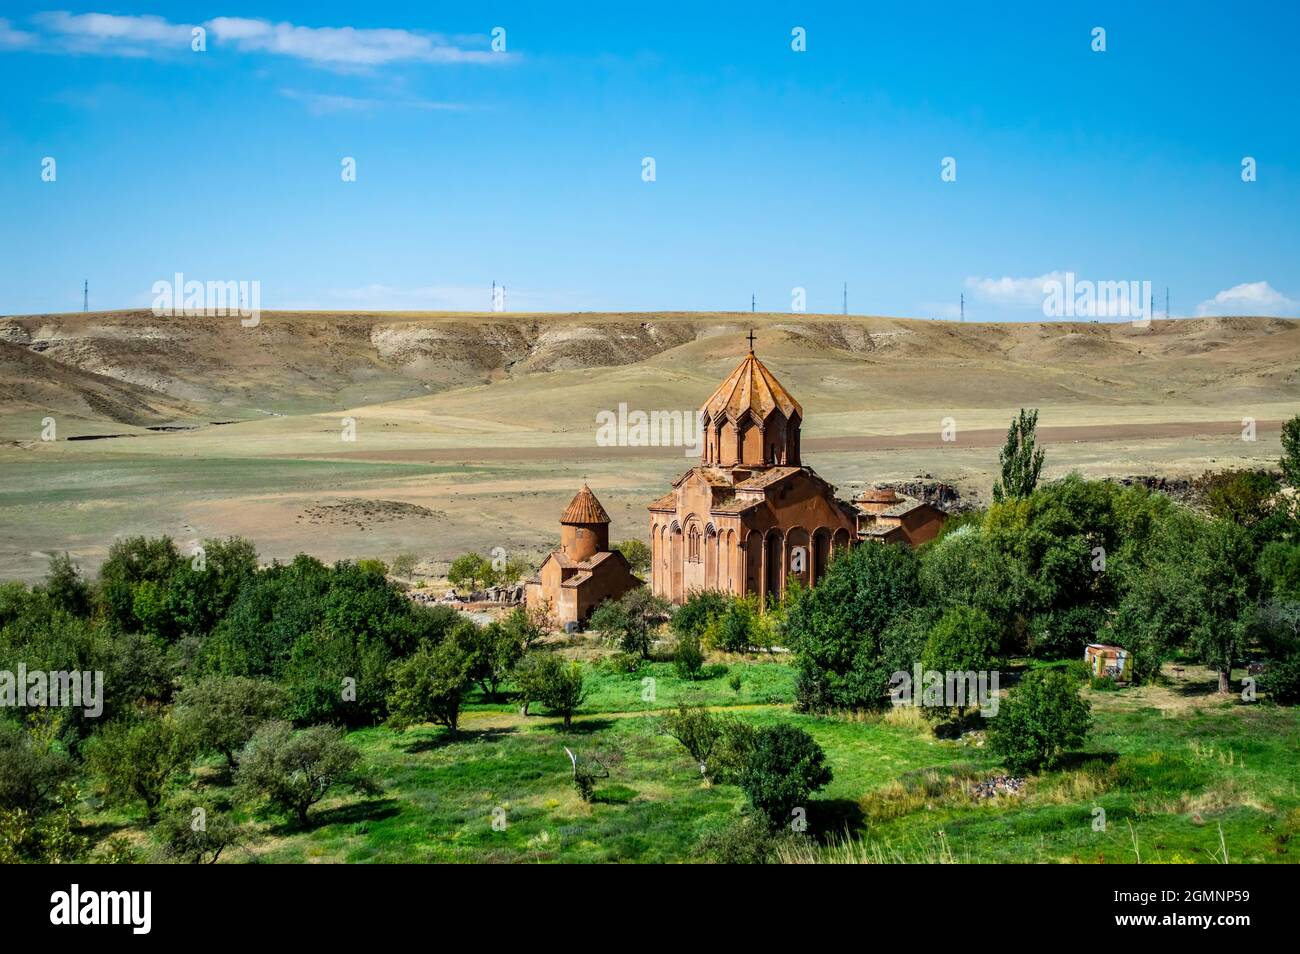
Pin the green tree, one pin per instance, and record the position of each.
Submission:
(629, 620)
(637, 554)
(1041, 718)
(66, 587)
(294, 770)
(963, 640)
(472, 570)
(1021, 463)
(785, 767)
(1244, 497)
(430, 686)
(31, 773)
(194, 831)
(134, 565)
(1291, 451)
(835, 628)
(696, 729)
(221, 713)
(404, 564)
(494, 650)
(136, 758)
(558, 685)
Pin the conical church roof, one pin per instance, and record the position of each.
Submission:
(751, 387)
(584, 508)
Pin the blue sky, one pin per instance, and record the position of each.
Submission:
(774, 169)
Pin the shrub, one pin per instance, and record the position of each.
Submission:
(731, 754)
(1282, 680)
(701, 608)
(628, 621)
(1041, 718)
(472, 570)
(689, 660)
(747, 841)
(696, 729)
(784, 768)
(1291, 451)
(963, 640)
(738, 628)
(30, 774)
(637, 554)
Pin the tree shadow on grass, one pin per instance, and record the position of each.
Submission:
(584, 727)
(829, 819)
(444, 739)
(367, 810)
(1074, 761)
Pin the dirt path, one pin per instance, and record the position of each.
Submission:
(932, 440)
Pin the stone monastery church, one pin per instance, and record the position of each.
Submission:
(745, 520)
(752, 514)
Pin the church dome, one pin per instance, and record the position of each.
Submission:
(584, 508)
(751, 388)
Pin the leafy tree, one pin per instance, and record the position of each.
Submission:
(1021, 462)
(1291, 451)
(835, 628)
(404, 564)
(511, 572)
(1281, 680)
(739, 627)
(378, 567)
(136, 758)
(696, 729)
(47, 837)
(963, 640)
(558, 685)
(31, 774)
(1244, 497)
(1041, 718)
(194, 831)
(494, 650)
(134, 579)
(701, 608)
(430, 686)
(472, 570)
(1279, 570)
(629, 620)
(295, 770)
(66, 588)
(784, 768)
(637, 554)
(524, 627)
(221, 713)
(1197, 585)
(200, 591)
(689, 659)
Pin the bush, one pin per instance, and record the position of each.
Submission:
(30, 774)
(696, 729)
(1041, 718)
(194, 831)
(747, 841)
(784, 768)
(629, 620)
(963, 640)
(1281, 680)
(701, 608)
(295, 770)
(738, 628)
(689, 660)
(637, 554)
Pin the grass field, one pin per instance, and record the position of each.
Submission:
(1180, 774)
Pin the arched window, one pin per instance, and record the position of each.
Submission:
(693, 545)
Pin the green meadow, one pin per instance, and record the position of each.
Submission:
(1169, 774)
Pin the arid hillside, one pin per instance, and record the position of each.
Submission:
(135, 369)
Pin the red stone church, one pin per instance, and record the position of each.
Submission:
(752, 514)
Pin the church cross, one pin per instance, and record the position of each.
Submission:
(751, 340)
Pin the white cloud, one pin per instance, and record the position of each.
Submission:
(13, 39)
(333, 47)
(320, 104)
(1012, 292)
(1250, 298)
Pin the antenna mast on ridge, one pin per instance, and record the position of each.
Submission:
(85, 296)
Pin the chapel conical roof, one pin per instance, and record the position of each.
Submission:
(751, 387)
(584, 508)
